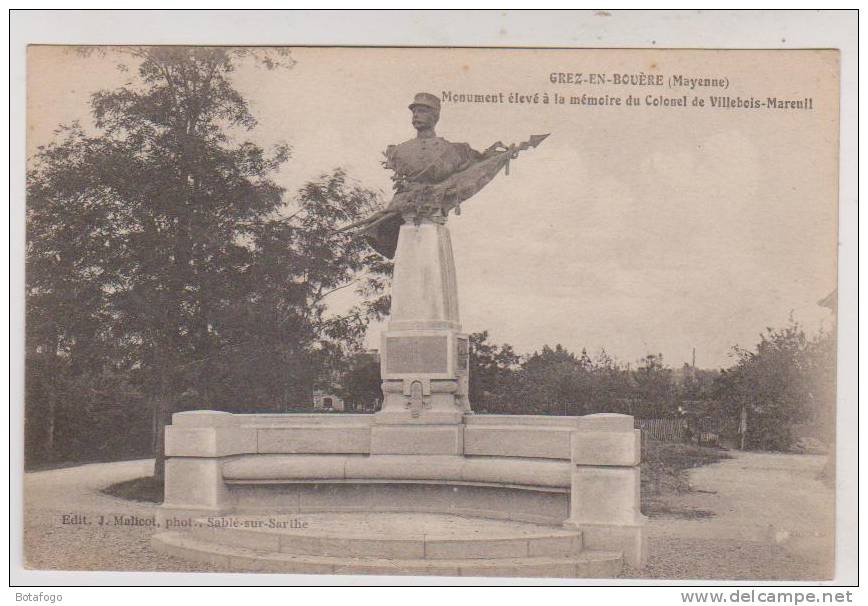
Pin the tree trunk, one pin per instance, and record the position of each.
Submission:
(164, 406)
(53, 372)
(50, 429)
(828, 473)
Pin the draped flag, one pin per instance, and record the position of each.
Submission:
(437, 199)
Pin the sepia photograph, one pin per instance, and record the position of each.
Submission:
(432, 311)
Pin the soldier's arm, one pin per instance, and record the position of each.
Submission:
(389, 157)
(468, 155)
(494, 148)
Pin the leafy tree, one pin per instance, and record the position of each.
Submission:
(160, 248)
(492, 369)
(611, 385)
(653, 388)
(360, 383)
(788, 379)
(696, 384)
(821, 365)
(555, 381)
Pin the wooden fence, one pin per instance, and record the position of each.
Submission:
(665, 430)
(707, 431)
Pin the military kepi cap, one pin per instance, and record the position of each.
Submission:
(428, 99)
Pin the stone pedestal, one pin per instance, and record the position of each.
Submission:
(605, 489)
(580, 472)
(425, 356)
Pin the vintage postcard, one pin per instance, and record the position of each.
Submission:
(441, 312)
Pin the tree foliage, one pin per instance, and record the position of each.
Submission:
(360, 386)
(653, 390)
(557, 381)
(787, 380)
(491, 371)
(162, 253)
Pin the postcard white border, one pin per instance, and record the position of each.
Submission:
(576, 29)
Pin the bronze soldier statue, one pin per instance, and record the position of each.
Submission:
(431, 176)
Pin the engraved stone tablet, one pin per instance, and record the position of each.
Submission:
(422, 354)
(462, 355)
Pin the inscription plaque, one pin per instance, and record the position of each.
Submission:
(422, 354)
(462, 355)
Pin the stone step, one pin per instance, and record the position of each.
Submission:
(390, 536)
(587, 564)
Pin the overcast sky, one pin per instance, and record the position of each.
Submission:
(635, 229)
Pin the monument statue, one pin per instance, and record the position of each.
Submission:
(432, 176)
(501, 494)
(424, 354)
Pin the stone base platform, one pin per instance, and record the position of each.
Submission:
(510, 495)
(389, 544)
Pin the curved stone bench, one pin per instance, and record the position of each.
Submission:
(494, 471)
(581, 472)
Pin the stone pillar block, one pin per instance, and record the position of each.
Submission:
(209, 441)
(208, 433)
(195, 484)
(629, 539)
(204, 418)
(605, 453)
(195, 444)
(605, 421)
(605, 495)
(607, 448)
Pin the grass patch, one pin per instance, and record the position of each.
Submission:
(32, 465)
(146, 490)
(665, 467)
(662, 510)
(52, 465)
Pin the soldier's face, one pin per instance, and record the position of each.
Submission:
(424, 117)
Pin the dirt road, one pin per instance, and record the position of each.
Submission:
(755, 516)
(62, 529)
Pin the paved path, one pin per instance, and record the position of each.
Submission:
(51, 544)
(757, 515)
(769, 517)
